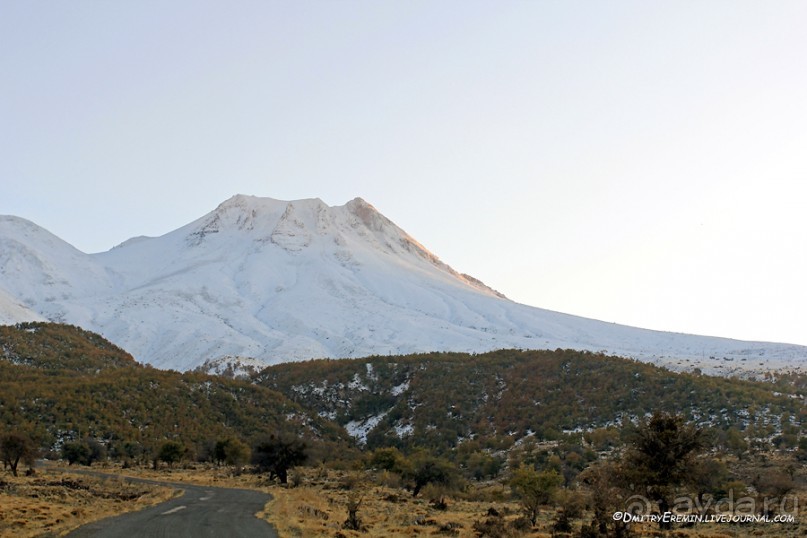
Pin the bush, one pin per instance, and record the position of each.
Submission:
(76, 453)
(230, 451)
(171, 452)
(494, 527)
(84, 452)
(386, 459)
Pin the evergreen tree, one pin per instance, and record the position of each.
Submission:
(661, 455)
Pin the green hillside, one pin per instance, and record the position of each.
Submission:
(436, 400)
(60, 383)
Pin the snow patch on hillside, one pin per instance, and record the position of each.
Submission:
(358, 429)
(232, 367)
(404, 430)
(397, 390)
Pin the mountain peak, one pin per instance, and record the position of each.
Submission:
(368, 214)
(278, 220)
(251, 202)
(248, 203)
(282, 280)
(237, 213)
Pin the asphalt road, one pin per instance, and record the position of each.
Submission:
(202, 511)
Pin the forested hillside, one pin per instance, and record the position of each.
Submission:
(59, 383)
(437, 400)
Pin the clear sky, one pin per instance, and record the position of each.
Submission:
(637, 162)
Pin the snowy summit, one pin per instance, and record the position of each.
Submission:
(279, 280)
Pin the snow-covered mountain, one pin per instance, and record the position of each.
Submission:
(277, 281)
(11, 311)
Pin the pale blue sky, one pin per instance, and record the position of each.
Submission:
(636, 162)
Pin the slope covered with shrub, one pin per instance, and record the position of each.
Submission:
(60, 348)
(60, 383)
(438, 400)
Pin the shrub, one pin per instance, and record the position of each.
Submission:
(76, 453)
(171, 452)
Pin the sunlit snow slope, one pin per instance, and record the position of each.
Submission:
(278, 281)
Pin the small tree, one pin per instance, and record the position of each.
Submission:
(734, 442)
(604, 481)
(570, 505)
(277, 455)
(353, 522)
(423, 468)
(774, 483)
(97, 451)
(708, 476)
(534, 488)
(481, 465)
(16, 447)
(801, 453)
(661, 456)
(232, 452)
(171, 452)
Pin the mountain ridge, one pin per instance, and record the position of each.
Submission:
(282, 280)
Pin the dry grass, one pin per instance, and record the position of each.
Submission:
(319, 508)
(197, 474)
(53, 503)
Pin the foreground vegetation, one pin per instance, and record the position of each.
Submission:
(320, 507)
(510, 443)
(320, 501)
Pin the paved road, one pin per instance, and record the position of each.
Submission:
(201, 512)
